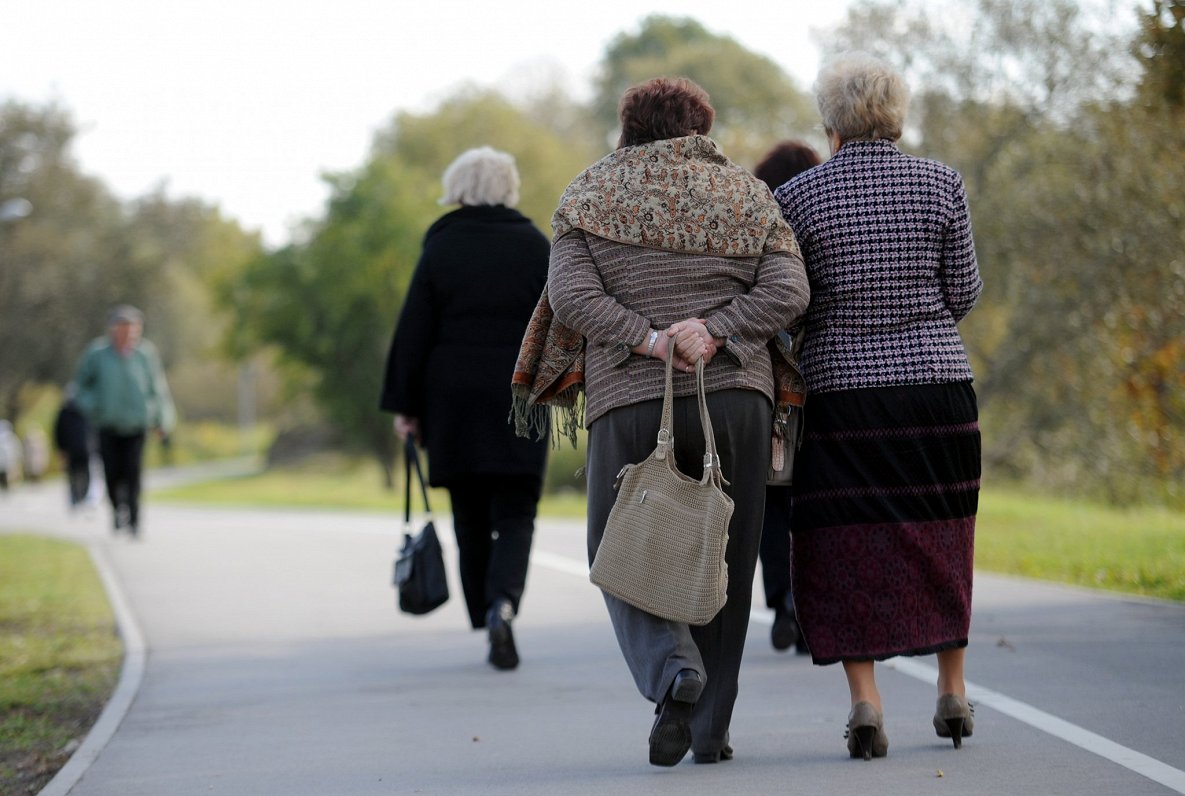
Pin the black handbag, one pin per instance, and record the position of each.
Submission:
(419, 569)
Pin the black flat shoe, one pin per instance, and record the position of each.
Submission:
(503, 653)
(670, 737)
(714, 757)
(785, 632)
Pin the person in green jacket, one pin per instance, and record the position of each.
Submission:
(121, 387)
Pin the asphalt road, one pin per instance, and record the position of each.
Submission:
(267, 657)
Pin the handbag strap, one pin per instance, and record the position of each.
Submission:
(666, 435)
(411, 459)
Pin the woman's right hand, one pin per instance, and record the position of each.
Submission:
(405, 425)
(664, 346)
(692, 340)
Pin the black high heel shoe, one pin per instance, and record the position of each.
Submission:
(954, 718)
(670, 737)
(866, 732)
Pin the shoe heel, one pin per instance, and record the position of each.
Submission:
(955, 726)
(687, 687)
(864, 737)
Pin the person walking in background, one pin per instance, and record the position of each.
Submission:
(665, 248)
(36, 454)
(887, 481)
(482, 269)
(785, 160)
(10, 455)
(121, 388)
(72, 437)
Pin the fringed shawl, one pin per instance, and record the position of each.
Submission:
(678, 194)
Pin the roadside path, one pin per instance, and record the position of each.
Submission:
(276, 663)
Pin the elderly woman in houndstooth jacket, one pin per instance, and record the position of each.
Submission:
(887, 481)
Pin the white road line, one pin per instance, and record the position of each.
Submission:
(1138, 762)
(130, 677)
(1023, 712)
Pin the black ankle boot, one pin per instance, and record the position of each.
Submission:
(785, 632)
(503, 653)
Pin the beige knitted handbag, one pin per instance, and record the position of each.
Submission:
(664, 542)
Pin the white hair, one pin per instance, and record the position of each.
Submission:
(861, 97)
(482, 176)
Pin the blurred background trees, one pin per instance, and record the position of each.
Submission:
(1065, 118)
(75, 250)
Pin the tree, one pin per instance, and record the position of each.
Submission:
(62, 264)
(1160, 50)
(757, 104)
(79, 251)
(329, 305)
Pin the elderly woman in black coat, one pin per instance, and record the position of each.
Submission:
(482, 269)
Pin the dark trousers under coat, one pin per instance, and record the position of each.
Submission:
(656, 649)
(78, 476)
(775, 547)
(494, 520)
(123, 460)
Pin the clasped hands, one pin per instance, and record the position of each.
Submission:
(691, 342)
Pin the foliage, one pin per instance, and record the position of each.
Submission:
(80, 251)
(329, 305)
(757, 104)
(63, 264)
(59, 656)
(1160, 49)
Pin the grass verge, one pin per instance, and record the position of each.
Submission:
(59, 657)
(334, 482)
(1136, 550)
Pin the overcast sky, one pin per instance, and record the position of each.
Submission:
(245, 103)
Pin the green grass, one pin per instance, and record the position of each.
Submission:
(59, 656)
(331, 481)
(1140, 551)
(1137, 550)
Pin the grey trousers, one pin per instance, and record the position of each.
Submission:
(656, 649)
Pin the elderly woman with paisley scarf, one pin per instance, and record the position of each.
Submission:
(666, 248)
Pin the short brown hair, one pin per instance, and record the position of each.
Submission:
(665, 107)
(787, 159)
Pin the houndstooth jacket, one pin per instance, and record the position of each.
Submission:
(887, 242)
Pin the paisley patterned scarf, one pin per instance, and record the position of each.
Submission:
(677, 194)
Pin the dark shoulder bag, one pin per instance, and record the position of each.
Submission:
(419, 569)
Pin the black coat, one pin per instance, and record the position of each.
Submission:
(474, 289)
(71, 432)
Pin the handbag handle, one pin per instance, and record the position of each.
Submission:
(666, 437)
(411, 459)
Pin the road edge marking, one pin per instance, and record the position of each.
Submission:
(1023, 712)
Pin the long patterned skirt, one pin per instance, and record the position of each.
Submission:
(885, 495)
